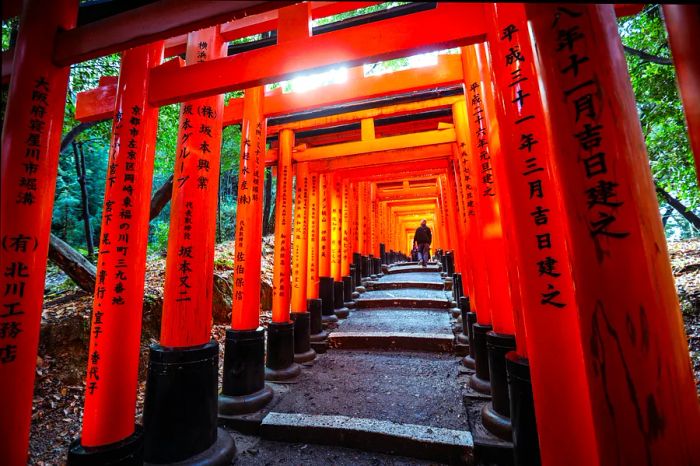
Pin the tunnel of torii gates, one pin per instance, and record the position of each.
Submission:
(528, 162)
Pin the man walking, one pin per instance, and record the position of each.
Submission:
(423, 238)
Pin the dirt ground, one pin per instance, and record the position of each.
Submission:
(58, 397)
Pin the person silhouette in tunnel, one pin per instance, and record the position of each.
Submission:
(422, 238)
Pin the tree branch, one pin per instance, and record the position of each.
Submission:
(676, 204)
(74, 133)
(647, 56)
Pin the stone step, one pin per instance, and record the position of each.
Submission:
(413, 268)
(380, 285)
(434, 342)
(419, 441)
(407, 298)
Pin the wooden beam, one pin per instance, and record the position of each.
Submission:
(404, 141)
(155, 21)
(459, 24)
(389, 157)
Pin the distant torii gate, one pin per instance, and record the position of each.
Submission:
(570, 225)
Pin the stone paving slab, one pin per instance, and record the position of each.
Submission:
(422, 441)
(404, 298)
(401, 387)
(397, 320)
(409, 341)
(412, 277)
(255, 451)
(413, 268)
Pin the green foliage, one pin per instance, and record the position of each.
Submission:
(660, 111)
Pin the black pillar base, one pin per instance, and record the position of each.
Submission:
(347, 292)
(464, 307)
(302, 337)
(522, 411)
(243, 387)
(339, 301)
(326, 294)
(180, 406)
(313, 306)
(221, 453)
(127, 452)
(496, 415)
(280, 352)
(480, 381)
(496, 423)
(468, 361)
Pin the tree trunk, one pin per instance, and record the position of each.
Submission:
(268, 203)
(666, 215)
(676, 204)
(77, 267)
(161, 198)
(79, 157)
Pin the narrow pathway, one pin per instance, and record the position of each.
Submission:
(390, 383)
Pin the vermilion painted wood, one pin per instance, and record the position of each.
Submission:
(324, 231)
(312, 220)
(31, 137)
(460, 24)
(300, 244)
(683, 23)
(554, 345)
(505, 254)
(336, 232)
(345, 229)
(187, 300)
(115, 331)
(155, 21)
(246, 274)
(469, 168)
(644, 401)
(281, 268)
(489, 196)
(448, 71)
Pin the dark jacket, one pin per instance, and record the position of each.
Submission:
(423, 235)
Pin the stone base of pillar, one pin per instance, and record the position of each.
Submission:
(522, 411)
(280, 352)
(243, 387)
(342, 313)
(462, 339)
(468, 361)
(480, 381)
(496, 415)
(180, 406)
(496, 423)
(355, 294)
(125, 452)
(339, 299)
(221, 453)
(331, 320)
(360, 289)
(302, 337)
(313, 306)
(454, 310)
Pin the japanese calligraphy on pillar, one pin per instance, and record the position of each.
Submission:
(481, 134)
(312, 222)
(323, 233)
(21, 246)
(583, 93)
(525, 115)
(113, 266)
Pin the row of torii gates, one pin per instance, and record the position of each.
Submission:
(529, 163)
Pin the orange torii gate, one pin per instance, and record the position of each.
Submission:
(602, 203)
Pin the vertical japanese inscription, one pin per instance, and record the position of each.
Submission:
(520, 90)
(22, 245)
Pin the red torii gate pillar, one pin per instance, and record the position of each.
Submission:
(280, 363)
(300, 315)
(187, 356)
(313, 302)
(113, 356)
(243, 385)
(492, 200)
(631, 324)
(31, 137)
(549, 311)
(336, 244)
(325, 278)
